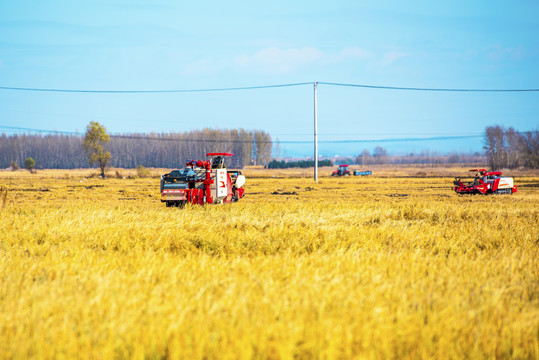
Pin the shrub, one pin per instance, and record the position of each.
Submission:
(29, 164)
(14, 166)
(142, 172)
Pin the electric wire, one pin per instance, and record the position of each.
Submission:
(256, 87)
(172, 138)
(425, 89)
(154, 91)
(432, 138)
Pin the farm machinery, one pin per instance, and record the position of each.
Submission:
(344, 171)
(202, 182)
(485, 182)
(341, 171)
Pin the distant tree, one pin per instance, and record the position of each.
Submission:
(364, 158)
(379, 151)
(528, 148)
(96, 136)
(453, 158)
(494, 147)
(263, 145)
(380, 155)
(511, 143)
(29, 164)
(14, 166)
(504, 147)
(246, 150)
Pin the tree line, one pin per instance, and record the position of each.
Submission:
(130, 150)
(380, 156)
(275, 164)
(508, 148)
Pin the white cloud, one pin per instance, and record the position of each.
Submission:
(497, 52)
(392, 56)
(276, 60)
(202, 67)
(354, 53)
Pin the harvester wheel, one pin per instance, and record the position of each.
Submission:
(169, 203)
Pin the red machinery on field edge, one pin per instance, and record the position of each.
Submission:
(485, 182)
(343, 170)
(202, 182)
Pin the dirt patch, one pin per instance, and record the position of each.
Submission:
(93, 186)
(284, 193)
(398, 195)
(529, 184)
(40, 190)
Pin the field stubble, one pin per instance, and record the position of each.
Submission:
(375, 267)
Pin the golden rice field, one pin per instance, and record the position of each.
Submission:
(391, 266)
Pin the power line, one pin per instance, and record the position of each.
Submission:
(349, 141)
(153, 91)
(260, 87)
(39, 130)
(426, 89)
(433, 135)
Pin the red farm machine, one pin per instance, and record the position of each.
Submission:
(485, 182)
(341, 171)
(202, 182)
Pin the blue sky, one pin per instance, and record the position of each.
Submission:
(162, 45)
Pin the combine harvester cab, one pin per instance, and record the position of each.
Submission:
(202, 182)
(485, 182)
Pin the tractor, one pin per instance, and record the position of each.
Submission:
(485, 182)
(341, 171)
(202, 182)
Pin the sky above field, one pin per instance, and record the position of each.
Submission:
(173, 45)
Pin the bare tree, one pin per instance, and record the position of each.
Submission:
(262, 147)
(364, 158)
(512, 138)
(380, 155)
(529, 149)
(494, 146)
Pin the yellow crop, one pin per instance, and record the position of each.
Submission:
(360, 267)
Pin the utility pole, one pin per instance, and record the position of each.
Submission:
(315, 137)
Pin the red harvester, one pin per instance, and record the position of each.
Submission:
(202, 182)
(485, 182)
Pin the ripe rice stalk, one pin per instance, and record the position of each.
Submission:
(377, 267)
(3, 196)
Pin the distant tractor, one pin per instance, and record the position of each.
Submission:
(341, 171)
(485, 182)
(202, 182)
